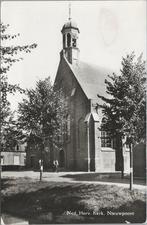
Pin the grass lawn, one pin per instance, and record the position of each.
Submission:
(52, 202)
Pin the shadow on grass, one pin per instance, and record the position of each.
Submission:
(5, 183)
(49, 202)
(103, 177)
(43, 205)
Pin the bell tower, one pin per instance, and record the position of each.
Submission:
(70, 33)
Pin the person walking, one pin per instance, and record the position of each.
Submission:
(56, 164)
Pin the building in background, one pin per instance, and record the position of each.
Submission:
(15, 158)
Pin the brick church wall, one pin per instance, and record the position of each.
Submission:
(75, 150)
(81, 105)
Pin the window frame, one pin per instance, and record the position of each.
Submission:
(2, 160)
(14, 160)
(74, 42)
(105, 135)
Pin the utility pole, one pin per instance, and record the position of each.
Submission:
(41, 156)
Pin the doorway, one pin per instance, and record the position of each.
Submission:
(32, 161)
(61, 159)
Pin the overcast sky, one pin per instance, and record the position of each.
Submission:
(108, 31)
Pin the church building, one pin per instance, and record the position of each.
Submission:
(86, 148)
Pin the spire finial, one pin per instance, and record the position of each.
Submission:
(69, 10)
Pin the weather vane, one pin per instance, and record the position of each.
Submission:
(69, 10)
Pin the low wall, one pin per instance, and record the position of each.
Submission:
(139, 160)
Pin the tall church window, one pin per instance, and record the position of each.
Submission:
(68, 125)
(68, 40)
(68, 130)
(81, 134)
(106, 139)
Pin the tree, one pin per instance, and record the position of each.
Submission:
(42, 115)
(12, 136)
(9, 55)
(124, 112)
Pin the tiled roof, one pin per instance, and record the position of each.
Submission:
(91, 78)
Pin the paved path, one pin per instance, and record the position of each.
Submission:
(76, 177)
(2, 222)
(11, 220)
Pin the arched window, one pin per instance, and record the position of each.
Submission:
(81, 134)
(64, 39)
(67, 128)
(68, 40)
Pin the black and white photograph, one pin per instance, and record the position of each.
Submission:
(73, 112)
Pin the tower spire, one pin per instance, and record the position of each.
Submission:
(69, 10)
(70, 33)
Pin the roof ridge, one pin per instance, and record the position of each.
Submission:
(90, 78)
(70, 66)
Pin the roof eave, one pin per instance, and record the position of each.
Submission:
(75, 77)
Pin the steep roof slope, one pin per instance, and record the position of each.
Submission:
(91, 78)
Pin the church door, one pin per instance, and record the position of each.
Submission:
(61, 159)
(92, 144)
(32, 161)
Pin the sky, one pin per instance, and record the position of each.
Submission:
(108, 31)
